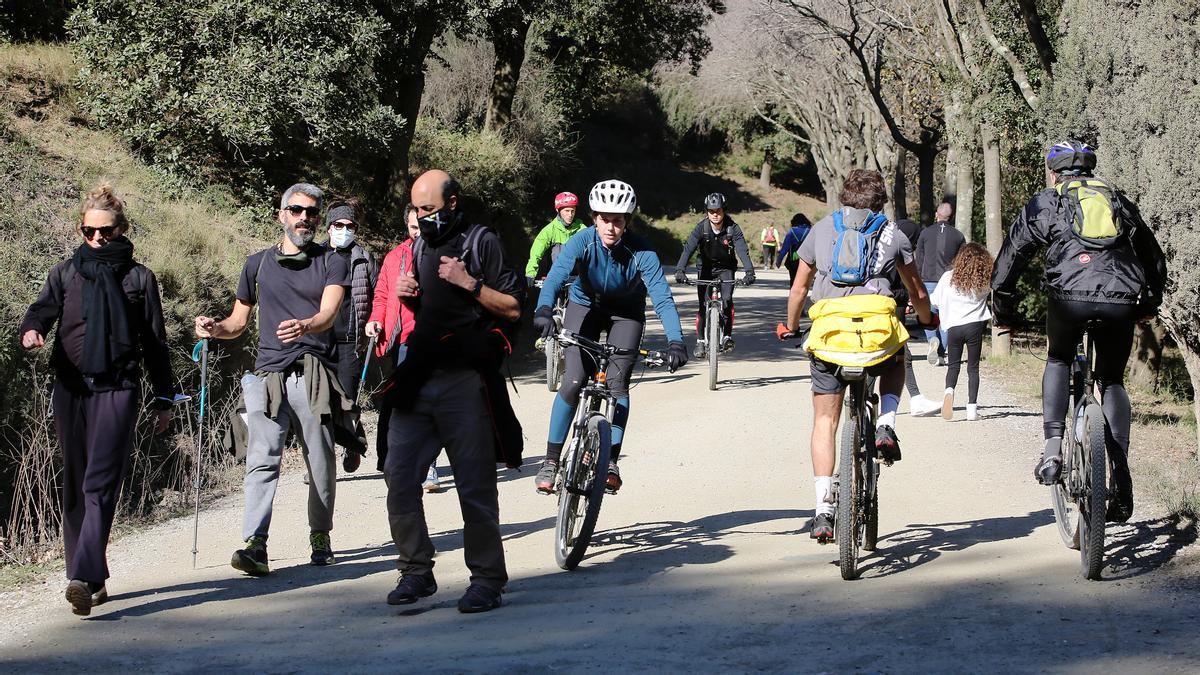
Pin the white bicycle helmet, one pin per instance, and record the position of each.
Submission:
(612, 196)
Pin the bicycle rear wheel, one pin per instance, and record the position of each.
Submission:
(553, 364)
(847, 526)
(714, 344)
(1094, 501)
(582, 491)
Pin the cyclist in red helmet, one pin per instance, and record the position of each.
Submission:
(554, 235)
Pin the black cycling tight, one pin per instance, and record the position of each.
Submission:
(1113, 338)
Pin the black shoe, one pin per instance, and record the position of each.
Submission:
(1048, 470)
(478, 599)
(99, 594)
(887, 444)
(822, 528)
(80, 596)
(322, 548)
(351, 461)
(412, 587)
(613, 482)
(253, 559)
(1120, 499)
(546, 477)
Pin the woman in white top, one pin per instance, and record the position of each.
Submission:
(961, 298)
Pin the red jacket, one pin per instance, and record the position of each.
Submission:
(387, 308)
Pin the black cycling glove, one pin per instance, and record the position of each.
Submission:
(680, 277)
(677, 356)
(748, 278)
(543, 320)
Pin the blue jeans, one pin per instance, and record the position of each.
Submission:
(941, 332)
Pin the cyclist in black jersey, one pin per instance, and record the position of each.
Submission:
(1112, 276)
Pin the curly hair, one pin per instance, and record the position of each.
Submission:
(971, 271)
(864, 189)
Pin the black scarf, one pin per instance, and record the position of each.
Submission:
(108, 338)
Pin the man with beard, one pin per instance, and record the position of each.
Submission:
(298, 287)
(449, 393)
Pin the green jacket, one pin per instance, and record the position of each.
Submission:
(554, 234)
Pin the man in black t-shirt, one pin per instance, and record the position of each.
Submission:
(444, 393)
(298, 287)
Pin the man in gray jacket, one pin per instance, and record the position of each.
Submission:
(936, 247)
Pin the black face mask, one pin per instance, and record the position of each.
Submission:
(436, 224)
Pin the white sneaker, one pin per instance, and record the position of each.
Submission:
(972, 412)
(919, 406)
(431, 483)
(932, 356)
(948, 404)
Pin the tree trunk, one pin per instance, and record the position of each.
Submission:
(966, 196)
(509, 44)
(926, 168)
(1147, 355)
(764, 176)
(1191, 359)
(1001, 344)
(900, 185)
(950, 178)
(391, 176)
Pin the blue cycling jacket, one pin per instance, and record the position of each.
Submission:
(614, 280)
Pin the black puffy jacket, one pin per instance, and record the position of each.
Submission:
(1132, 271)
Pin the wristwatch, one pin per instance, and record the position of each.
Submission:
(478, 287)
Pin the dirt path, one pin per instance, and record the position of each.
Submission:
(703, 561)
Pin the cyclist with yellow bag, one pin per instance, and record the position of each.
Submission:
(845, 265)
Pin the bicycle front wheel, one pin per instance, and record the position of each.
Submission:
(582, 491)
(714, 344)
(553, 364)
(1094, 501)
(847, 526)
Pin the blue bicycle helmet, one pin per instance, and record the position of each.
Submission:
(1071, 157)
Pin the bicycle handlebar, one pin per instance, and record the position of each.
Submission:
(713, 282)
(651, 358)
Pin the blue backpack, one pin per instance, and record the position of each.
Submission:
(854, 248)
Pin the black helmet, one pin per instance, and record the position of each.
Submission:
(715, 200)
(1071, 157)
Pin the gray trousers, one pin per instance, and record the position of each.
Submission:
(451, 411)
(265, 438)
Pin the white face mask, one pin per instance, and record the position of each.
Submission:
(341, 237)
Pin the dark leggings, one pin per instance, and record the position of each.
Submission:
(970, 336)
(1113, 339)
(726, 294)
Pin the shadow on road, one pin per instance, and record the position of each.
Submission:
(919, 544)
(1134, 549)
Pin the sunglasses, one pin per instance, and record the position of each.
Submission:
(339, 226)
(107, 232)
(308, 211)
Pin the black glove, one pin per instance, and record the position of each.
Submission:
(748, 278)
(677, 356)
(543, 320)
(529, 282)
(680, 277)
(1004, 309)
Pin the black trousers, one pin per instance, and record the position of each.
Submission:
(726, 295)
(969, 336)
(96, 435)
(349, 368)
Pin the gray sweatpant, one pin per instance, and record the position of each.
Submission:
(264, 450)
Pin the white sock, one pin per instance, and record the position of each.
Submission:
(888, 405)
(887, 420)
(823, 489)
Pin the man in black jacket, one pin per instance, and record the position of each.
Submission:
(935, 250)
(718, 239)
(443, 394)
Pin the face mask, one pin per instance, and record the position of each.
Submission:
(436, 223)
(341, 237)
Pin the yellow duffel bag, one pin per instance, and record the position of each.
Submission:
(856, 331)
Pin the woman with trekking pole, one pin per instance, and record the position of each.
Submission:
(110, 322)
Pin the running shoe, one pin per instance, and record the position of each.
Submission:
(432, 482)
(822, 528)
(948, 404)
(887, 444)
(546, 476)
(919, 406)
(412, 587)
(322, 549)
(253, 559)
(699, 351)
(478, 599)
(934, 346)
(613, 482)
(727, 343)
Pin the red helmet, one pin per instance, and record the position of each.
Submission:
(565, 200)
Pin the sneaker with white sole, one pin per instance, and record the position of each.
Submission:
(948, 404)
(934, 345)
(432, 482)
(919, 406)
(972, 412)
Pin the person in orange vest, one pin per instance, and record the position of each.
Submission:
(770, 241)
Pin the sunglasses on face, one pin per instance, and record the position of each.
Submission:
(339, 226)
(308, 211)
(107, 232)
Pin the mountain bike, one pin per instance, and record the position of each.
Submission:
(1081, 494)
(856, 483)
(713, 342)
(583, 474)
(555, 357)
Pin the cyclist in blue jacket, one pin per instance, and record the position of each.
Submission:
(615, 270)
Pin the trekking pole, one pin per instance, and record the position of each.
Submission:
(199, 354)
(367, 361)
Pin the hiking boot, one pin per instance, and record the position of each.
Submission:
(351, 461)
(253, 559)
(546, 476)
(613, 482)
(699, 351)
(822, 528)
(727, 343)
(887, 444)
(322, 549)
(919, 406)
(79, 594)
(432, 482)
(478, 599)
(412, 587)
